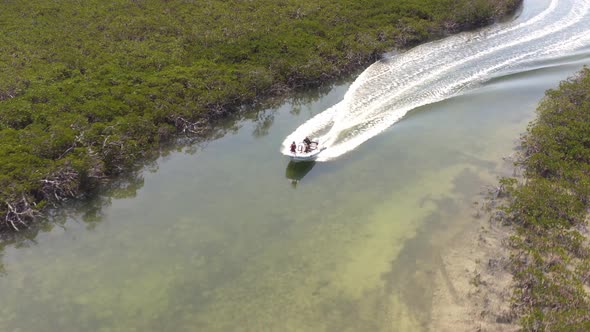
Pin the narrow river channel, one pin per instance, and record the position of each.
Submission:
(228, 236)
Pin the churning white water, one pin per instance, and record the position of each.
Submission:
(390, 88)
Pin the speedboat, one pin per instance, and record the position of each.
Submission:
(302, 153)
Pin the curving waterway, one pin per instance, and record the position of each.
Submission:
(226, 235)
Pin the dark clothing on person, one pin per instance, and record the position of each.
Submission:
(293, 147)
(307, 141)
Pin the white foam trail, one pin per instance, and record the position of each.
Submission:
(458, 40)
(387, 90)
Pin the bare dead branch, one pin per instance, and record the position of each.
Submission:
(19, 212)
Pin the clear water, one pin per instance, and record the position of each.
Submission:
(228, 236)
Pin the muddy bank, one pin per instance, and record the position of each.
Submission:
(473, 290)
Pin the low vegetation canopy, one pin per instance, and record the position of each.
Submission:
(551, 256)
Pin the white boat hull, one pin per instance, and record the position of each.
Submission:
(311, 156)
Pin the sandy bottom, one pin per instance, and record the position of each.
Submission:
(473, 286)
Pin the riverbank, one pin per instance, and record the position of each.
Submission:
(475, 291)
(550, 256)
(529, 265)
(78, 110)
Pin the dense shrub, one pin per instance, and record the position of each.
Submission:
(551, 259)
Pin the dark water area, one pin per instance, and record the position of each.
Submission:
(228, 235)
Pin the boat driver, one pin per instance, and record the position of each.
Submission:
(307, 142)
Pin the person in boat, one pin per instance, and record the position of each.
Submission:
(293, 148)
(307, 142)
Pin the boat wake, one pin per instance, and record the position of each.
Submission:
(432, 72)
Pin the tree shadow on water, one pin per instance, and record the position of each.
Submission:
(87, 211)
